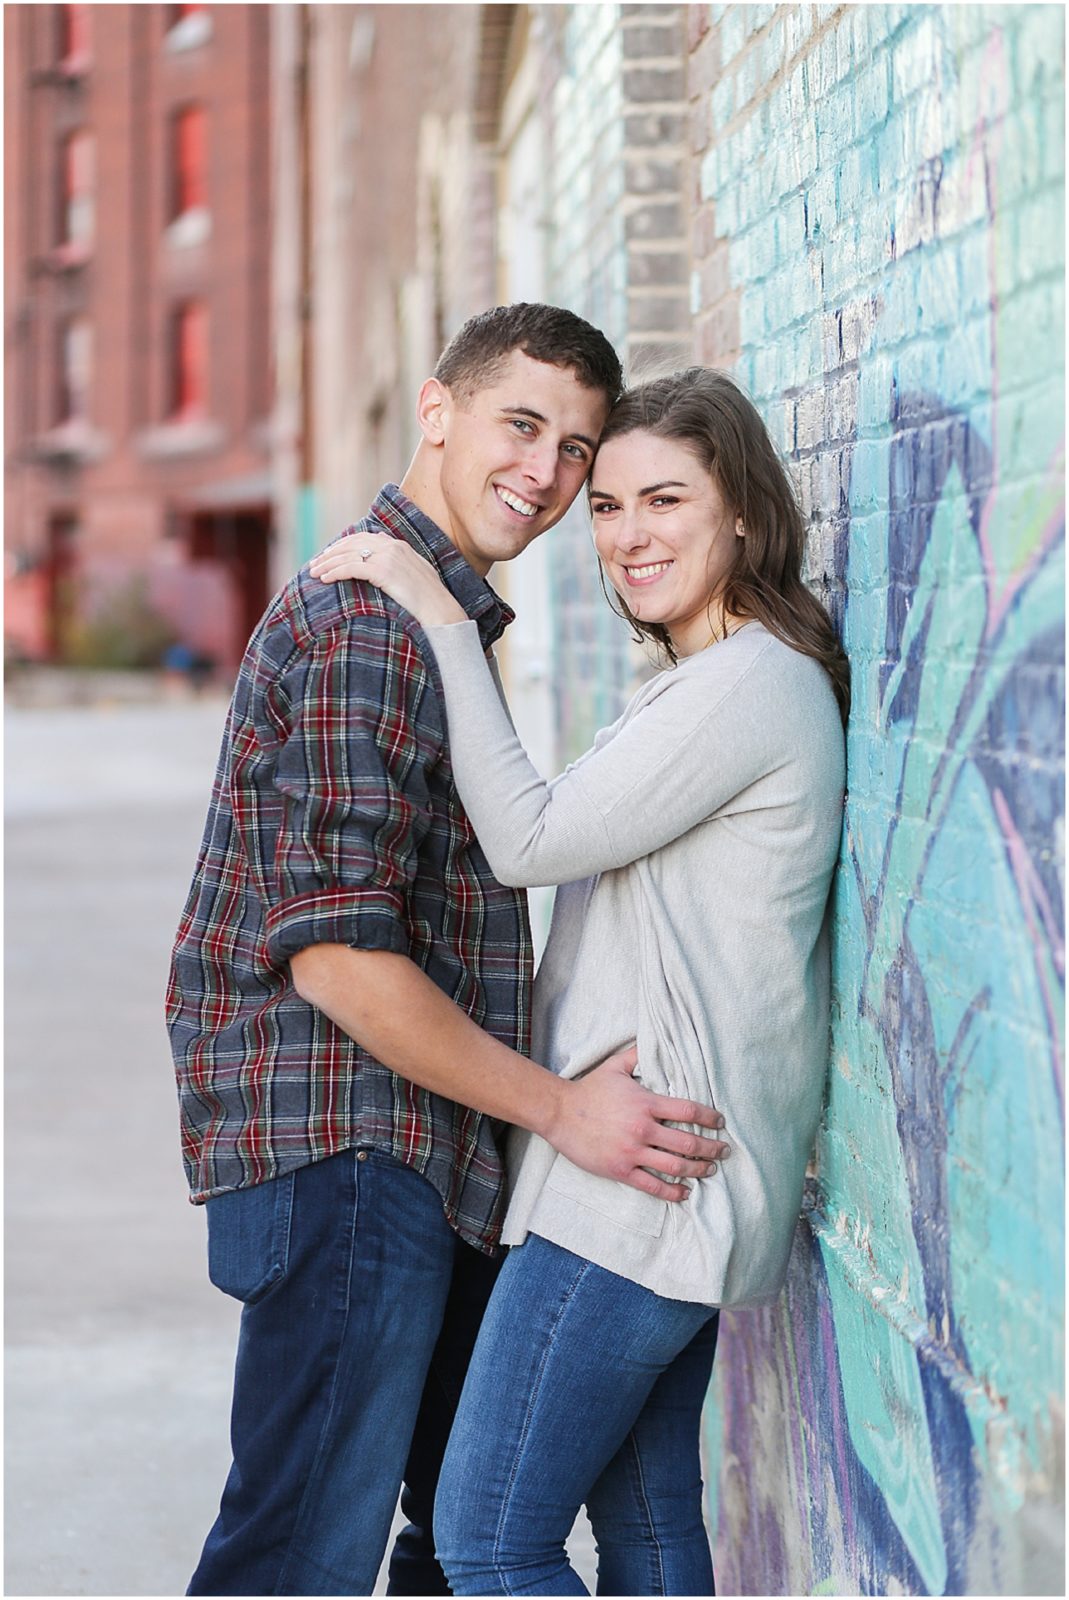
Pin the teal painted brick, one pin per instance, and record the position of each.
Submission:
(823, 204)
(790, 232)
(897, 151)
(873, 95)
(1039, 236)
(727, 210)
(975, 288)
(1052, 137)
(773, 50)
(732, 33)
(798, 96)
(746, 80)
(971, 24)
(751, 318)
(868, 477)
(915, 57)
(937, 291)
(857, 21)
(874, 250)
(1020, 157)
(1037, 45)
(1025, 333)
(875, 386)
(723, 101)
(798, 27)
(747, 142)
(765, 370)
(854, 188)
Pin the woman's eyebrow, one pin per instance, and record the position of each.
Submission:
(536, 416)
(669, 483)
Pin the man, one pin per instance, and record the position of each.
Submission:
(349, 1002)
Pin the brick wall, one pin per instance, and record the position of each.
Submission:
(616, 120)
(877, 235)
(859, 208)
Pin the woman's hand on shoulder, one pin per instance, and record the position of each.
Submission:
(392, 565)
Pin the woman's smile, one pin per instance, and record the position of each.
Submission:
(637, 576)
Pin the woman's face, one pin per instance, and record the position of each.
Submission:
(665, 534)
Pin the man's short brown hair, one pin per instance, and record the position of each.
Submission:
(474, 356)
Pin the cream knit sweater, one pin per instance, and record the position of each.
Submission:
(695, 844)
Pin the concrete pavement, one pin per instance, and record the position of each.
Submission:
(119, 1351)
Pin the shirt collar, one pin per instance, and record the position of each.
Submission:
(401, 518)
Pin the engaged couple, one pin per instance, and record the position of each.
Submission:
(375, 1099)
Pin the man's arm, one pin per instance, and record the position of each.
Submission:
(605, 1121)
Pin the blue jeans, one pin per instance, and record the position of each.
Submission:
(583, 1387)
(361, 1310)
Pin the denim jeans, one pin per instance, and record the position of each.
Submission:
(584, 1387)
(361, 1310)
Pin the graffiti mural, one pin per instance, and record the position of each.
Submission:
(894, 1425)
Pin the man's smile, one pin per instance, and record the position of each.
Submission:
(515, 502)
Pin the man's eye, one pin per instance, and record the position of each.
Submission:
(522, 424)
(576, 451)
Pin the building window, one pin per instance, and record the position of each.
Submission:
(189, 191)
(189, 362)
(187, 26)
(77, 202)
(73, 38)
(75, 369)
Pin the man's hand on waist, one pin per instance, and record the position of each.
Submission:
(607, 1123)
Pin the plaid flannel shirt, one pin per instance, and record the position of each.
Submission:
(334, 819)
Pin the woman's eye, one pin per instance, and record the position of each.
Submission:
(664, 500)
(601, 508)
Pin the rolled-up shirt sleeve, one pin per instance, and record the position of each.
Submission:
(351, 774)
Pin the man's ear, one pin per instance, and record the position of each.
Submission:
(432, 411)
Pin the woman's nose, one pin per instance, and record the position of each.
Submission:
(631, 535)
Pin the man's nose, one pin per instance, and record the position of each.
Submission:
(541, 464)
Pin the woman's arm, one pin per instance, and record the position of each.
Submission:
(686, 753)
(698, 742)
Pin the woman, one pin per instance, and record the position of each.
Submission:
(694, 845)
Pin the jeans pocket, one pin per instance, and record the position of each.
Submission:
(249, 1238)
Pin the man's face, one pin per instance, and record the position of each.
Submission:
(514, 456)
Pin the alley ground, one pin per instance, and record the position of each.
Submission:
(118, 1350)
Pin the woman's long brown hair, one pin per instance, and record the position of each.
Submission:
(706, 410)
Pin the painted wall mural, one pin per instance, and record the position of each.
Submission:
(895, 1425)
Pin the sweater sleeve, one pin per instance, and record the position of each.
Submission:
(689, 750)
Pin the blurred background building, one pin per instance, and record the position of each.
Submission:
(237, 238)
(139, 398)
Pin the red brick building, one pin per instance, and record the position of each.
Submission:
(138, 326)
